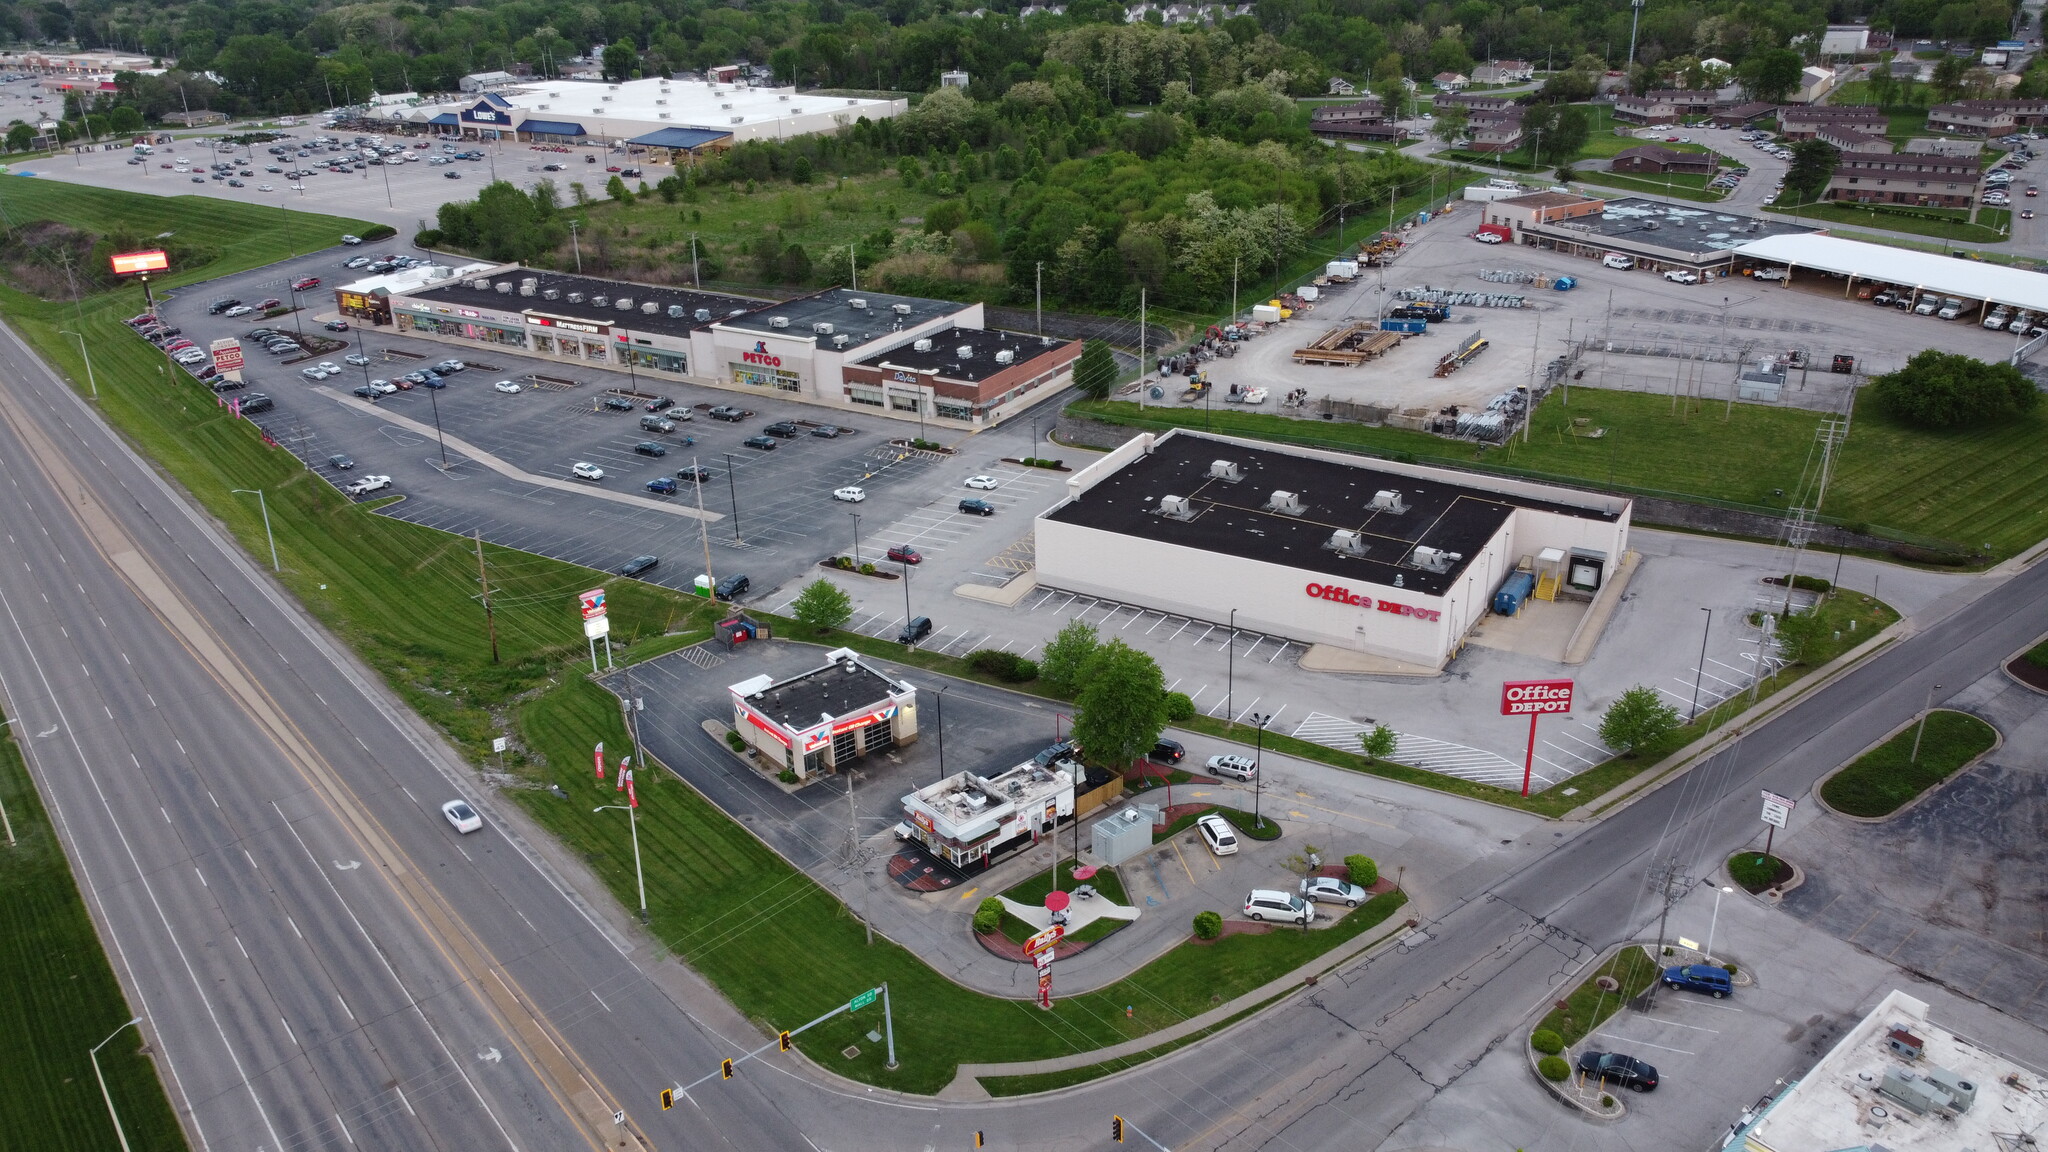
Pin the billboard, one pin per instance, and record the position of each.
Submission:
(1535, 697)
(126, 263)
(227, 356)
(592, 602)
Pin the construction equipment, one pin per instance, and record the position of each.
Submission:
(1197, 388)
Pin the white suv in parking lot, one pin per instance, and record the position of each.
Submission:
(1235, 767)
(1272, 904)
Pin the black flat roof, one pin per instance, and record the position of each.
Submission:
(982, 343)
(1229, 518)
(834, 690)
(875, 319)
(458, 291)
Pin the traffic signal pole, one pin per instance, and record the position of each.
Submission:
(782, 1040)
(1118, 1126)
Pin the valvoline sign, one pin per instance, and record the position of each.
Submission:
(1535, 697)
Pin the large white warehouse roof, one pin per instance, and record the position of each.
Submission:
(1944, 275)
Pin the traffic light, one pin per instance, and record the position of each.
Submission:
(782, 1042)
(725, 1069)
(668, 1099)
(1116, 1128)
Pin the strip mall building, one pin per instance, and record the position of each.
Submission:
(1397, 561)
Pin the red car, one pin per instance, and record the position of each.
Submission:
(905, 554)
(308, 282)
(613, 168)
(268, 302)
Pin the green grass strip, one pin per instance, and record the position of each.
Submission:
(1888, 777)
(1589, 1005)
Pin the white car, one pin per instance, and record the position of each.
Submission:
(1681, 276)
(1268, 903)
(315, 372)
(1486, 237)
(460, 814)
(367, 485)
(329, 367)
(1217, 834)
(1768, 274)
(987, 483)
(1330, 890)
(587, 471)
(351, 240)
(507, 387)
(238, 310)
(849, 494)
(383, 387)
(358, 262)
(357, 359)
(265, 188)
(1235, 767)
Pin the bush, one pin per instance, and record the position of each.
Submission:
(1365, 871)
(1731, 970)
(1208, 925)
(1754, 870)
(1805, 583)
(1639, 718)
(378, 232)
(1547, 1042)
(1179, 708)
(1005, 666)
(989, 916)
(1554, 1068)
(426, 238)
(787, 775)
(736, 742)
(867, 568)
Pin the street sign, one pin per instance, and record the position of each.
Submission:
(500, 743)
(863, 1000)
(1045, 939)
(1535, 697)
(1777, 809)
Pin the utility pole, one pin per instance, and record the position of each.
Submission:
(1141, 340)
(696, 274)
(1634, 19)
(853, 266)
(577, 247)
(1669, 881)
(483, 581)
(1038, 297)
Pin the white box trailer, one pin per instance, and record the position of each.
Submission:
(1265, 314)
(1341, 268)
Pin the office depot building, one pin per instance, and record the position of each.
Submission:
(1397, 561)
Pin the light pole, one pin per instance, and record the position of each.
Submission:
(856, 554)
(939, 706)
(1700, 672)
(104, 1094)
(1230, 672)
(82, 351)
(633, 821)
(265, 505)
(1716, 921)
(732, 490)
(5, 820)
(1258, 765)
(1921, 728)
(906, 590)
(434, 398)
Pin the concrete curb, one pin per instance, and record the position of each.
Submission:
(2005, 666)
(1997, 742)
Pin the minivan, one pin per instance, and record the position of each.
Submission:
(1269, 904)
(732, 587)
(918, 628)
(1713, 981)
(657, 424)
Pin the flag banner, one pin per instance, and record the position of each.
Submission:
(600, 759)
(632, 798)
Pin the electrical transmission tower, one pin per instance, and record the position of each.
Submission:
(1813, 490)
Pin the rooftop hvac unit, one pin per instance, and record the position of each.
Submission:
(921, 345)
(661, 115)
(1433, 559)
(964, 352)
(841, 340)
(796, 110)
(551, 293)
(659, 102)
(529, 282)
(1176, 508)
(600, 300)
(606, 98)
(675, 311)
(778, 321)
(1388, 500)
(527, 288)
(822, 328)
(505, 287)
(739, 120)
(851, 102)
(542, 108)
(900, 309)
(1005, 356)
(1346, 542)
(480, 284)
(650, 307)
(1285, 503)
(703, 314)
(1226, 471)
(725, 107)
(623, 303)
(575, 297)
(857, 302)
(613, 87)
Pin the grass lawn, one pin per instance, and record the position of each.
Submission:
(1589, 1005)
(1686, 186)
(1974, 487)
(1886, 778)
(1236, 817)
(1068, 1077)
(62, 1000)
(1939, 223)
(1756, 871)
(1032, 892)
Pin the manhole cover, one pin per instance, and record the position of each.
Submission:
(849, 1051)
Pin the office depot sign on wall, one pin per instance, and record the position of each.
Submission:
(1341, 595)
(1535, 697)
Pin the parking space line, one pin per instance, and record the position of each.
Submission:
(1692, 1027)
(1647, 1044)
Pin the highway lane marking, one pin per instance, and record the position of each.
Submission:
(529, 923)
(288, 1031)
(403, 1100)
(167, 815)
(209, 791)
(344, 1128)
(295, 926)
(238, 944)
(344, 1006)
(202, 877)
(245, 853)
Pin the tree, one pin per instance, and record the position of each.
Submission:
(1065, 662)
(1095, 372)
(1772, 74)
(1378, 743)
(1451, 123)
(621, 59)
(19, 137)
(1798, 636)
(1939, 389)
(1640, 717)
(1813, 162)
(823, 605)
(124, 120)
(616, 189)
(1122, 705)
(1949, 73)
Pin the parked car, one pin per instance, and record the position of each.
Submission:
(584, 470)
(732, 587)
(764, 443)
(1768, 274)
(918, 628)
(727, 413)
(662, 486)
(975, 507)
(305, 282)
(695, 472)
(905, 554)
(340, 461)
(336, 325)
(651, 448)
(1234, 766)
(785, 429)
(827, 431)
(985, 483)
(1271, 904)
(1166, 752)
(618, 404)
(1682, 276)
(507, 387)
(1217, 833)
(462, 816)
(357, 359)
(367, 485)
(660, 403)
(1331, 890)
(638, 564)
(1616, 1068)
(850, 494)
(256, 402)
(657, 424)
(1713, 981)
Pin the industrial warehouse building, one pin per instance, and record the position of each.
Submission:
(1659, 236)
(1396, 561)
(905, 355)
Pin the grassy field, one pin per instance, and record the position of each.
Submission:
(1681, 187)
(1589, 1004)
(1975, 487)
(1032, 892)
(1939, 223)
(62, 1000)
(1887, 778)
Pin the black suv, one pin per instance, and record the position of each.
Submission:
(256, 402)
(221, 305)
(785, 429)
(660, 404)
(1616, 1068)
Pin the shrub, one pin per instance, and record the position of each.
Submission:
(787, 776)
(1208, 925)
(822, 605)
(1005, 666)
(867, 568)
(1637, 719)
(1365, 871)
(426, 238)
(377, 232)
(1554, 1068)
(1731, 970)
(1606, 1101)
(736, 742)
(1547, 1042)
(1179, 708)
(988, 917)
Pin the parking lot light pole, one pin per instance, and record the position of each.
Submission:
(265, 506)
(1259, 765)
(434, 398)
(633, 820)
(856, 548)
(733, 491)
(1701, 672)
(1921, 728)
(906, 590)
(939, 706)
(83, 351)
(1230, 672)
(1715, 922)
(101, 1077)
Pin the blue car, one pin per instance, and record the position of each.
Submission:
(663, 485)
(1714, 982)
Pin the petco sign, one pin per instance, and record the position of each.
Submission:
(761, 355)
(1534, 697)
(1339, 595)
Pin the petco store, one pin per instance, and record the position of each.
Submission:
(1396, 562)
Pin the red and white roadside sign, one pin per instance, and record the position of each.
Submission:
(227, 357)
(592, 602)
(1045, 939)
(1535, 697)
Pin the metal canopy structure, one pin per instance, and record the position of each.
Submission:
(1924, 271)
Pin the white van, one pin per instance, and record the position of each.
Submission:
(1617, 260)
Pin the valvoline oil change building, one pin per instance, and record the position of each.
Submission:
(1392, 560)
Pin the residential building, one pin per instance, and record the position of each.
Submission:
(1495, 131)
(1743, 115)
(1814, 85)
(1474, 101)
(1987, 117)
(1363, 119)
(1907, 178)
(1657, 158)
(953, 79)
(1664, 106)
(1339, 86)
(1503, 72)
(1803, 123)
(1451, 81)
(1853, 137)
